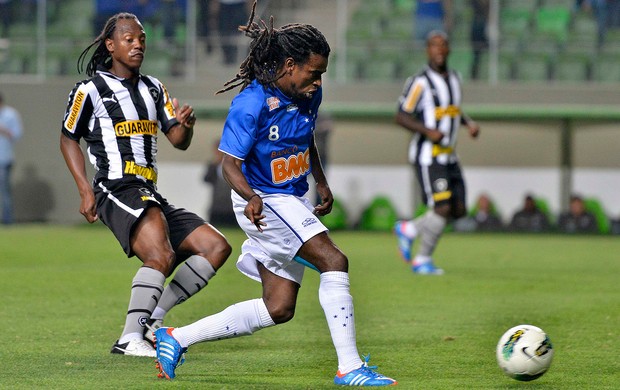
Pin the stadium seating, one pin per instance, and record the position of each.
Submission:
(567, 37)
(572, 67)
(540, 40)
(532, 67)
(605, 68)
(461, 60)
(505, 66)
(553, 21)
(515, 21)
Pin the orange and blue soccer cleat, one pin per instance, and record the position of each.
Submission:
(363, 376)
(405, 243)
(170, 354)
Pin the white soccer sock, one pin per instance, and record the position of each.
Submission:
(419, 260)
(243, 318)
(192, 276)
(337, 303)
(409, 228)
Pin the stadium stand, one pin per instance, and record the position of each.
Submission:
(539, 40)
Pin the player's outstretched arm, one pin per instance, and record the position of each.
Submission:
(322, 188)
(472, 126)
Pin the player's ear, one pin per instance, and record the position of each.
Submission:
(109, 44)
(289, 64)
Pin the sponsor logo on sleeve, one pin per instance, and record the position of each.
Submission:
(76, 107)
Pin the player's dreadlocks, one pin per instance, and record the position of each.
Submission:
(270, 47)
(101, 55)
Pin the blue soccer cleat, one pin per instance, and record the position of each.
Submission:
(426, 269)
(405, 243)
(169, 353)
(363, 376)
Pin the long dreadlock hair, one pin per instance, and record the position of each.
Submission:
(270, 47)
(101, 55)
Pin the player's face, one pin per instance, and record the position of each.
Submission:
(127, 47)
(301, 81)
(438, 50)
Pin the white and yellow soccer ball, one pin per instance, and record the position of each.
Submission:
(524, 352)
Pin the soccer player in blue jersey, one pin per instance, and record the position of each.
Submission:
(269, 150)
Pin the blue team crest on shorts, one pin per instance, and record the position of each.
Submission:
(308, 221)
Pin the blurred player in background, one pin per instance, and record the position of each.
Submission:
(269, 150)
(11, 130)
(119, 112)
(430, 108)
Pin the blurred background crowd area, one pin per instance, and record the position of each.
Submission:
(372, 40)
(545, 92)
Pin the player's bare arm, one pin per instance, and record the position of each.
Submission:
(472, 126)
(4, 132)
(231, 169)
(322, 187)
(181, 135)
(414, 125)
(74, 158)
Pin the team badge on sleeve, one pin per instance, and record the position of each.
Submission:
(273, 103)
(154, 93)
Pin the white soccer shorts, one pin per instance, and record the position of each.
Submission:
(290, 223)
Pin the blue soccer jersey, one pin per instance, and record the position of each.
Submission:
(271, 133)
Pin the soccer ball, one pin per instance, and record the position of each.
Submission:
(524, 352)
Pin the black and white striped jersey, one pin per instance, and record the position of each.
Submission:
(119, 122)
(436, 101)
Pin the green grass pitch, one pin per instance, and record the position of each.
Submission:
(65, 291)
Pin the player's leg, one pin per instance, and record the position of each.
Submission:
(244, 318)
(408, 229)
(6, 203)
(337, 303)
(458, 201)
(430, 225)
(149, 241)
(203, 251)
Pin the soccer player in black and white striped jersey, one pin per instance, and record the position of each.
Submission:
(119, 113)
(430, 108)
